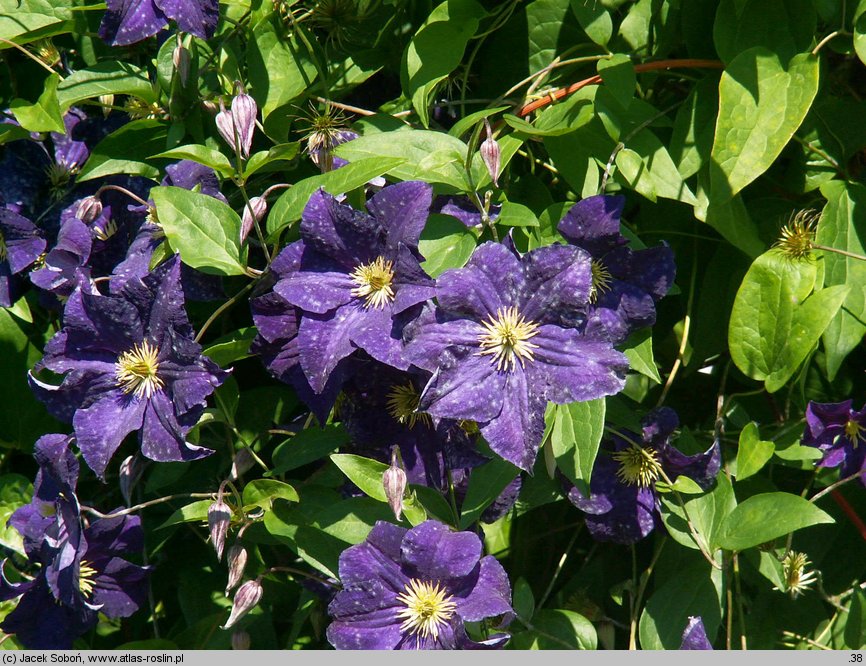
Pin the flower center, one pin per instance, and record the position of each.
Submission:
(428, 607)
(601, 279)
(104, 231)
(374, 282)
(507, 337)
(796, 238)
(403, 406)
(638, 466)
(797, 578)
(854, 432)
(136, 370)
(86, 579)
(58, 178)
(3, 251)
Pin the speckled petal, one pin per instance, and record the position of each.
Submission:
(652, 270)
(491, 595)
(466, 386)
(376, 559)
(100, 428)
(402, 209)
(468, 292)
(378, 334)
(197, 17)
(347, 236)
(695, 635)
(558, 280)
(434, 552)
(321, 285)
(162, 438)
(593, 224)
(129, 21)
(324, 340)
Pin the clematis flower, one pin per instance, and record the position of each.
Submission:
(129, 21)
(695, 635)
(358, 279)
(130, 364)
(502, 342)
(21, 244)
(415, 589)
(623, 505)
(840, 433)
(82, 569)
(626, 283)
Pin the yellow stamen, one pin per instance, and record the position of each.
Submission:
(86, 579)
(105, 232)
(136, 370)
(506, 338)
(374, 282)
(854, 432)
(403, 406)
(797, 578)
(428, 607)
(601, 279)
(796, 238)
(638, 466)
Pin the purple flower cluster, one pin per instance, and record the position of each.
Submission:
(839, 432)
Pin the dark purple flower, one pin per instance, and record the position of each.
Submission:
(623, 505)
(359, 275)
(695, 635)
(463, 209)
(82, 570)
(130, 364)
(626, 283)
(129, 21)
(415, 589)
(66, 265)
(21, 244)
(70, 153)
(501, 344)
(840, 433)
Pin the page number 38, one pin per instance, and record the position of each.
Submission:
(856, 657)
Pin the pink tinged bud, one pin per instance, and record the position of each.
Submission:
(219, 517)
(246, 598)
(225, 125)
(490, 154)
(244, 112)
(237, 559)
(181, 60)
(394, 483)
(89, 209)
(260, 207)
(240, 640)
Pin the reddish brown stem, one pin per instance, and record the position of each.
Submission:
(850, 512)
(557, 95)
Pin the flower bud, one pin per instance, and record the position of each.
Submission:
(130, 472)
(219, 517)
(89, 209)
(490, 154)
(107, 101)
(237, 559)
(240, 640)
(246, 598)
(260, 207)
(181, 60)
(225, 125)
(394, 483)
(244, 112)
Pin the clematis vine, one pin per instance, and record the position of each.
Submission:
(502, 342)
(129, 363)
(623, 505)
(416, 589)
(626, 283)
(840, 433)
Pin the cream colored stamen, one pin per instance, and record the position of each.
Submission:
(507, 338)
(136, 370)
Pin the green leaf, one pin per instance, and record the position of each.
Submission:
(192, 512)
(263, 492)
(594, 19)
(730, 218)
(753, 452)
(762, 518)
(308, 446)
(486, 483)
(860, 30)
(202, 155)
(773, 324)
(110, 77)
(647, 167)
(23, 22)
(15, 492)
(12, 133)
(465, 124)
(437, 49)
(45, 114)
(204, 230)
(516, 215)
(446, 243)
(617, 74)
(575, 438)
(855, 625)
(692, 138)
(785, 27)
(525, 127)
(290, 206)
(127, 150)
(557, 629)
(231, 347)
(282, 152)
(363, 472)
(706, 511)
(842, 223)
(761, 105)
(524, 600)
(639, 352)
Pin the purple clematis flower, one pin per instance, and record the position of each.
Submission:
(840, 433)
(415, 589)
(130, 363)
(626, 283)
(129, 21)
(502, 343)
(358, 279)
(82, 570)
(463, 209)
(65, 267)
(695, 635)
(623, 505)
(21, 244)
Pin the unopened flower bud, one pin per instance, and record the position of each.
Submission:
(225, 125)
(219, 517)
(210, 106)
(237, 559)
(246, 598)
(181, 60)
(260, 207)
(394, 482)
(130, 472)
(107, 102)
(244, 112)
(240, 640)
(490, 154)
(89, 209)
